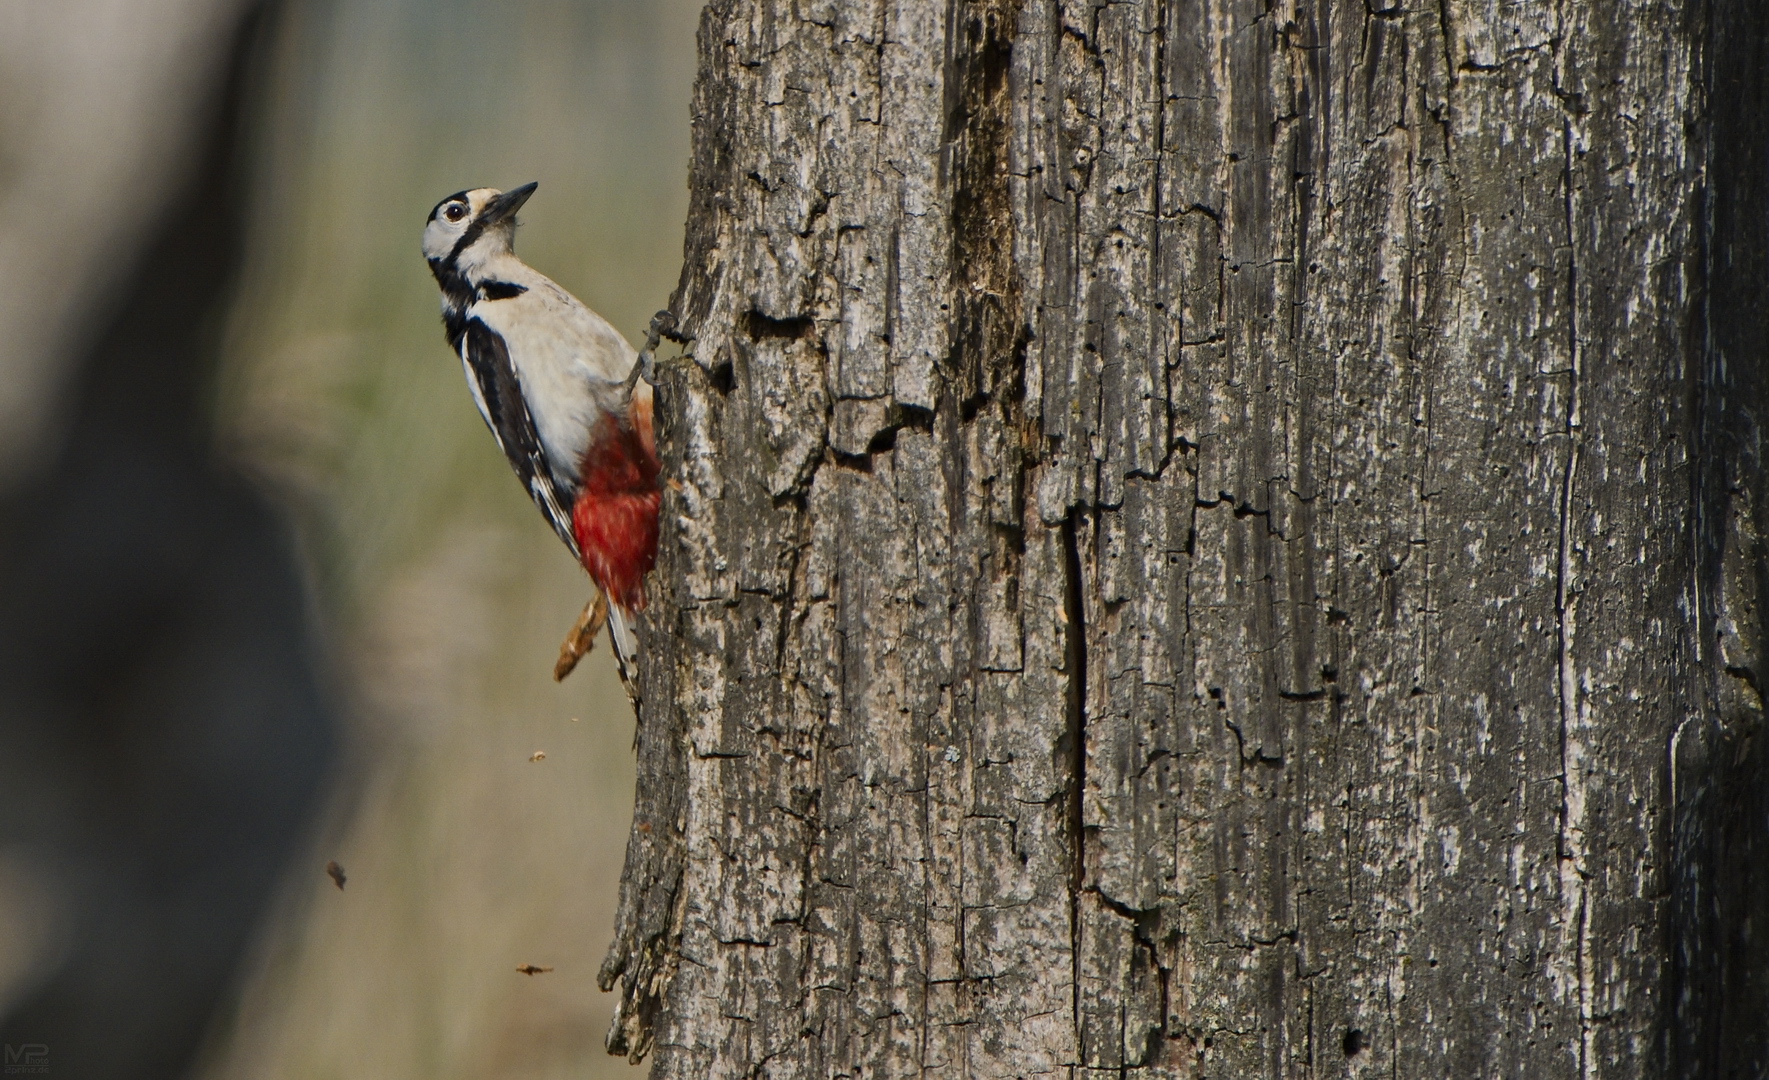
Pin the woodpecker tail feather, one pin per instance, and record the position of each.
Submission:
(582, 637)
(626, 650)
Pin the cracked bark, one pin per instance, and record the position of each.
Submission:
(1184, 561)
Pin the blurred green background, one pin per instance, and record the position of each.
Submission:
(269, 594)
(443, 596)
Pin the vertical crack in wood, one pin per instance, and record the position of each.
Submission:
(1075, 737)
(1573, 870)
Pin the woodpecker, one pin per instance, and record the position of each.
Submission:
(558, 387)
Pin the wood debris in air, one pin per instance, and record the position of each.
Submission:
(538, 755)
(336, 873)
(532, 969)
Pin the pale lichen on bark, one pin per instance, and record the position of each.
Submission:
(1180, 565)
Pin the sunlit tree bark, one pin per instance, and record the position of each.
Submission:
(1201, 532)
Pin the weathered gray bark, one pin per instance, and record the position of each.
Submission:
(1202, 527)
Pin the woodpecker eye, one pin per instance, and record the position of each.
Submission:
(454, 211)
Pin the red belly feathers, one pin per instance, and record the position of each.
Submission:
(615, 517)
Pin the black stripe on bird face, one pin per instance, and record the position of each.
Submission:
(500, 211)
(474, 231)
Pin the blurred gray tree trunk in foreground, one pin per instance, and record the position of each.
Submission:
(1214, 538)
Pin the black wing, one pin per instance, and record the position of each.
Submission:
(506, 413)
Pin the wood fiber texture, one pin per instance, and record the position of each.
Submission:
(1183, 563)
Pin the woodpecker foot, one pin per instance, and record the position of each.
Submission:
(582, 637)
(663, 325)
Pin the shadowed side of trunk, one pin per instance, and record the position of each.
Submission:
(1721, 774)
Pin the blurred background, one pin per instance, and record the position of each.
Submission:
(269, 596)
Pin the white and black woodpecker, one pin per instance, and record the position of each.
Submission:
(556, 385)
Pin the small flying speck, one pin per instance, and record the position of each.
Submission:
(538, 755)
(336, 873)
(531, 969)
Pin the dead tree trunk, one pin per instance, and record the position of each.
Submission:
(1202, 528)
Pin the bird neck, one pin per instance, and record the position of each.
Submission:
(457, 291)
(461, 274)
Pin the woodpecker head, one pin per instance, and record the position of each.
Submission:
(470, 227)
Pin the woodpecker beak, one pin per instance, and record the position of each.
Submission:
(504, 207)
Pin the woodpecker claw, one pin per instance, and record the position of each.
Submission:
(662, 325)
(582, 637)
